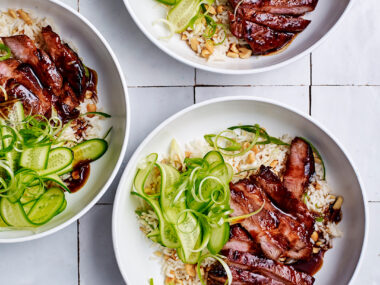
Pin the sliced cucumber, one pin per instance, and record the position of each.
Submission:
(35, 158)
(32, 193)
(86, 151)
(56, 179)
(189, 233)
(13, 214)
(219, 237)
(181, 14)
(58, 159)
(28, 206)
(168, 234)
(63, 207)
(46, 206)
(214, 158)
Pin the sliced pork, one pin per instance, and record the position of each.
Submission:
(300, 167)
(241, 240)
(278, 234)
(283, 198)
(67, 61)
(21, 82)
(24, 49)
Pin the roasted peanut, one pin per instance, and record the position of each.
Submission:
(194, 43)
(24, 16)
(314, 236)
(245, 52)
(190, 270)
(12, 13)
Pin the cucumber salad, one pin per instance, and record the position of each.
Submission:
(186, 196)
(38, 166)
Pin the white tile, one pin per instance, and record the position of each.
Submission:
(351, 53)
(352, 115)
(297, 73)
(142, 62)
(150, 107)
(72, 3)
(369, 272)
(46, 261)
(97, 259)
(294, 96)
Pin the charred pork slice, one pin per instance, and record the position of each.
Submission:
(300, 166)
(279, 23)
(241, 240)
(283, 198)
(217, 276)
(264, 40)
(21, 82)
(284, 7)
(67, 61)
(277, 272)
(278, 234)
(24, 49)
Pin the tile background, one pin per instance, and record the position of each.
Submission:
(338, 84)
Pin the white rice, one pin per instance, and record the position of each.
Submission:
(318, 195)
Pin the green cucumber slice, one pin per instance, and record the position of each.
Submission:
(32, 193)
(214, 158)
(56, 179)
(46, 206)
(219, 237)
(35, 158)
(28, 206)
(13, 214)
(63, 207)
(58, 159)
(168, 234)
(86, 151)
(181, 14)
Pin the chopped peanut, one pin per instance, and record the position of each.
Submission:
(251, 158)
(255, 149)
(210, 9)
(187, 154)
(338, 203)
(194, 44)
(88, 94)
(233, 48)
(205, 53)
(274, 163)
(24, 16)
(318, 243)
(12, 13)
(75, 175)
(245, 52)
(158, 253)
(316, 250)
(314, 236)
(232, 54)
(190, 270)
(169, 280)
(183, 37)
(209, 46)
(318, 186)
(220, 9)
(91, 108)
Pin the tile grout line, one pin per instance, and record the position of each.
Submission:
(78, 251)
(243, 85)
(311, 82)
(78, 6)
(195, 84)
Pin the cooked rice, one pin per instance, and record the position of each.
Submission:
(220, 51)
(10, 26)
(318, 197)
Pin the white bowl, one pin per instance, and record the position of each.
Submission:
(113, 99)
(134, 251)
(324, 19)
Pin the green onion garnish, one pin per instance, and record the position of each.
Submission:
(7, 50)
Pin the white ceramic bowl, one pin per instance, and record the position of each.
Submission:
(134, 251)
(113, 99)
(324, 19)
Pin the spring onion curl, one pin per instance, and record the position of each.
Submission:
(263, 134)
(219, 258)
(151, 282)
(7, 50)
(315, 150)
(235, 220)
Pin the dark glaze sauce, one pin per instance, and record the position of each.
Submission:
(311, 266)
(83, 172)
(92, 83)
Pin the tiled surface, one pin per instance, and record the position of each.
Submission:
(83, 253)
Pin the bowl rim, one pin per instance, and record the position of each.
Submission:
(206, 67)
(68, 9)
(153, 133)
